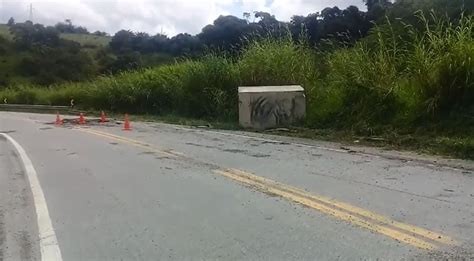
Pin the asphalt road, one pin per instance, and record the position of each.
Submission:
(164, 192)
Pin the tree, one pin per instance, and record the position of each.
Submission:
(376, 9)
(121, 41)
(371, 4)
(68, 27)
(100, 33)
(309, 26)
(246, 16)
(80, 30)
(271, 26)
(227, 32)
(451, 8)
(184, 44)
(125, 62)
(346, 26)
(160, 43)
(64, 62)
(11, 21)
(65, 27)
(28, 34)
(140, 42)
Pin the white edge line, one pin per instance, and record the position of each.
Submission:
(47, 237)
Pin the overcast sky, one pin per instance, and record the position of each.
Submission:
(154, 16)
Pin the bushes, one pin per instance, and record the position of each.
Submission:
(210, 88)
(360, 86)
(277, 62)
(441, 68)
(426, 79)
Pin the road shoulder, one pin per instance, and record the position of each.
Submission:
(18, 228)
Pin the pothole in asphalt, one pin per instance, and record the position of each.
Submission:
(258, 155)
(146, 153)
(235, 151)
(89, 122)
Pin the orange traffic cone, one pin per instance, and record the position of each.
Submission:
(103, 118)
(126, 125)
(58, 119)
(82, 120)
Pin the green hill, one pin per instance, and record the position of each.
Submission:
(4, 31)
(86, 40)
(12, 59)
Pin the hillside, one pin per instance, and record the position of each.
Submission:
(20, 65)
(9, 61)
(4, 31)
(86, 40)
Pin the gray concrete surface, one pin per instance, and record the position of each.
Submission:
(18, 230)
(110, 200)
(264, 107)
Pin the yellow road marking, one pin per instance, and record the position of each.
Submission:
(409, 234)
(129, 141)
(402, 237)
(169, 152)
(356, 210)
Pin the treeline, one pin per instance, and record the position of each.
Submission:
(229, 33)
(331, 25)
(67, 27)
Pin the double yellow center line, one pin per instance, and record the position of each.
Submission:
(412, 235)
(409, 234)
(136, 143)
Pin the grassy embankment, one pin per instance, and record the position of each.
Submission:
(411, 90)
(83, 39)
(11, 57)
(5, 31)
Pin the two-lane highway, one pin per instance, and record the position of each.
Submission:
(164, 192)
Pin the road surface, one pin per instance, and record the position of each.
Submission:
(165, 192)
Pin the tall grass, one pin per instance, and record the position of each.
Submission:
(426, 78)
(441, 69)
(277, 62)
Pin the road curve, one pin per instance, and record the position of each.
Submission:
(164, 192)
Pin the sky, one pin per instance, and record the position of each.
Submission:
(155, 16)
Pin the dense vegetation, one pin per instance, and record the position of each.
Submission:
(409, 75)
(128, 50)
(33, 53)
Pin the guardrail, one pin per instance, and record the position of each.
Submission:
(37, 108)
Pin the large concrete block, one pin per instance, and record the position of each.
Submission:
(271, 106)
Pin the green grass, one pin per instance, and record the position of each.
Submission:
(5, 31)
(11, 57)
(87, 40)
(83, 39)
(432, 143)
(9, 61)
